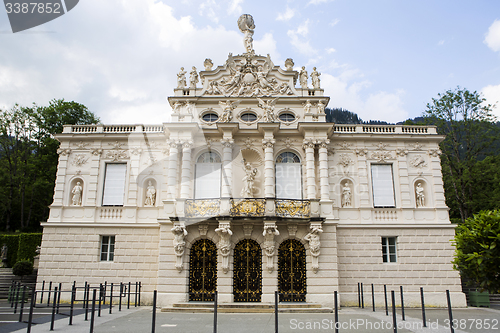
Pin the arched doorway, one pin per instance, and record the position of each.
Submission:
(292, 284)
(247, 271)
(202, 271)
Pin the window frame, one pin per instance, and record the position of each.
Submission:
(389, 251)
(103, 199)
(214, 162)
(375, 188)
(288, 158)
(109, 253)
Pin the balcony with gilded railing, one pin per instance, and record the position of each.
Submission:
(247, 207)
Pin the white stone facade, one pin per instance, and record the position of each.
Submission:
(245, 115)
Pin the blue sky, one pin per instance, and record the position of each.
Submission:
(382, 59)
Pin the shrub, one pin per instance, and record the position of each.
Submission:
(22, 268)
(12, 242)
(27, 246)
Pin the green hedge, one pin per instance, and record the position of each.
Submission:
(20, 246)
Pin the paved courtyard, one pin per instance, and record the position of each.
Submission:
(138, 320)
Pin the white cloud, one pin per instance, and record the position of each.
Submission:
(492, 95)
(492, 38)
(235, 7)
(267, 45)
(441, 42)
(334, 22)
(299, 41)
(317, 2)
(330, 50)
(287, 15)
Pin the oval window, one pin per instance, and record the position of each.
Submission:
(248, 117)
(210, 117)
(287, 117)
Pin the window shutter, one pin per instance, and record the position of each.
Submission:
(114, 184)
(382, 185)
(207, 180)
(288, 181)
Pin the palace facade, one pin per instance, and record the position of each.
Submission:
(248, 190)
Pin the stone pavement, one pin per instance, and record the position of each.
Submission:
(138, 320)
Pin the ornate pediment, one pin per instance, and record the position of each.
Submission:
(249, 75)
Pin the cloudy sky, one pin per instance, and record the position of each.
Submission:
(383, 59)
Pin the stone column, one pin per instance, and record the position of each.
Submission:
(172, 169)
(323, 169)
(310, 174)
(227, 167)
(269, 190)
(186, 169)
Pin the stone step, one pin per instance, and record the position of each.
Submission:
(204, 307)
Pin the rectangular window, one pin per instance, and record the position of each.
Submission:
(107, 248)
(288, 181)
(114, 184)
(383, 186)
(389, 249)
(207, 180)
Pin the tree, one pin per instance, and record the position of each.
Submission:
(477, 254)
(466, 122)
(28, 159)
(341, 116)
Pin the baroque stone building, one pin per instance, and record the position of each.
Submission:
(249, 190)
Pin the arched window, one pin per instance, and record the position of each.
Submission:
(207, 176)
(288, 176)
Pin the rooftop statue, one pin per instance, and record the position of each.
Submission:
(246, 25)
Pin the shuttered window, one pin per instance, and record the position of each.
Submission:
(114, 184)
(382, 185)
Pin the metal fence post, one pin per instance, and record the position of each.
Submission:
(136, 290)
(128, 297)
(276, 296)
(385, 296)
(54, 302)
(140, 286)
(359, 295)
(59, 297)
(153, 324)
(336, 311)
(43, 288)
(92, 315)
(402, 303)
(22, 304)
(215, 311)
(423, 305)
(111, 298)
(450, 314)
(394, 323)
(100, 298)
(50, 291)
(373, 298)
(30, 317)
(73, 295)
(121, 291)
(362, 297)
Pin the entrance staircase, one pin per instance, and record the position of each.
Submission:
(241, 307)
(6, 278)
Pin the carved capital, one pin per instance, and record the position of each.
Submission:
(401, 152)
(323, 143)
(308, 143)
(434, 152)
(227, 143)
(268, 143)
(96, 151)
(136, 151)
(186, 145)
(171, 143)
(361, 152)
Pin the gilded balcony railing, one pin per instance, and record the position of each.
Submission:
(202, 208)
(293, 208)
(248, 207)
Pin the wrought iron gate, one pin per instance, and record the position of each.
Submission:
(247, 278)
(292, 271)
(202, 271)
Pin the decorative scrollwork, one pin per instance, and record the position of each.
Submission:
(248, 207)
(202, 208)
(293, 208)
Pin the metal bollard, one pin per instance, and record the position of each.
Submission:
(92, 315)
(128, 298)
(402, 303)
(385, 296)
(276, 296)
(121, 291)
(111, 298)
(373, 298)
(140, 286)
(22, 304)
(153, 324)
(394, 323)
(50, 291)
(135, 298)
(87, 291)
(100, 298)
(362, 297)
(85, 295)
(359, 295)
(73, 295)
(43, 288)
(30, 317)
(53, 318)
(215, 311)
(336, 311)
(104, 292)
(450, 314)
(423, 305)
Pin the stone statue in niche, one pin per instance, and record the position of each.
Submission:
(208, 64)
(76, 199)
(419, 192)
(268, 107)
(150, 195)
(227, 110)
(307, 106)
(315, 78)
(246, 25)
(179, 232)
(303, 77)
(321, 107)
(193, 78)
(248, 180)
(224, 244)
(346, 195)
(181, 79)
